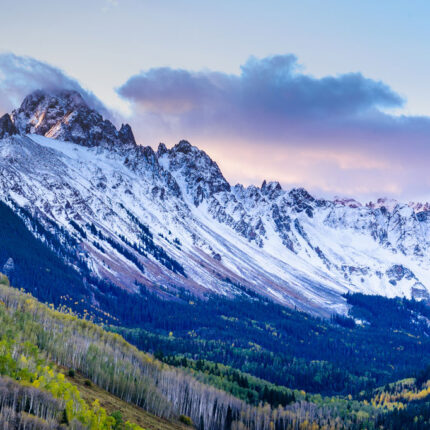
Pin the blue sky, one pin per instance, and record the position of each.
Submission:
(103, 42)
(109, 45)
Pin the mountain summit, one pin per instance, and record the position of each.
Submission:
(169, 220)
(64, 115)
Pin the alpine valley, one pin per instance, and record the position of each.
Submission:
(268, 308)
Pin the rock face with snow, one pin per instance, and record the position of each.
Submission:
(169, 219)
(8, 267)
(7, 127)
(64, 115)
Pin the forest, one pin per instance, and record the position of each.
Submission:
(288, 347)
(35, 339)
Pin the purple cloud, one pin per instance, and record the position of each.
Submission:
(272, 87)
(270, 121)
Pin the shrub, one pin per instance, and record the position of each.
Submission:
(117, 416)
(185, 420)
(4, 280)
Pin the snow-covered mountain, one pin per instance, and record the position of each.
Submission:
(170, 220)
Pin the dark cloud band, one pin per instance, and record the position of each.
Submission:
(271, 86)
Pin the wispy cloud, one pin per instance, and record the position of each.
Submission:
(21, 75)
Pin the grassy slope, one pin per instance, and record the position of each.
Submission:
(112, 403)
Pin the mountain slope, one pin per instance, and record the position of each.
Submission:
(38, 344)
(36, 339)
(169, 220)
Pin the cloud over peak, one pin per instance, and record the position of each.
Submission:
(20, 76)
(272, 120)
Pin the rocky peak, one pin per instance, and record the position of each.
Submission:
(41, 110)
(351, 203)
(64, 115)
(185, 147)
(162, 149)
(299, 195)
(384, 204)
(7, 127)
(419, 207)
(271, 189)
(200, 174)
(302, 201)
(126, 135)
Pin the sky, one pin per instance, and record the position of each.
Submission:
(330, 95)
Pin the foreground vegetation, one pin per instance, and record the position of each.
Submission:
(35, 394)
(116, 407)
(30, 330)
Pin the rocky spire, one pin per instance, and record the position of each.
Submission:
(126, 135)
(271, 189)
(7, 127)
(162, 149)
(200, 174)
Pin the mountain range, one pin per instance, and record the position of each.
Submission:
(169, 221)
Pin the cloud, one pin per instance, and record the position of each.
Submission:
(19, 76)
(334, 134)
(272, 88)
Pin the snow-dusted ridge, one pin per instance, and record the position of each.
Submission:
(64, 163)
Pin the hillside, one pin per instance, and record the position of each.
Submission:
(106, 374)
(31, 330)
(129, 412)
(58, 396)
(382, 340)
(281, 345)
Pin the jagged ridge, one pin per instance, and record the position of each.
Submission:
(299, 250)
